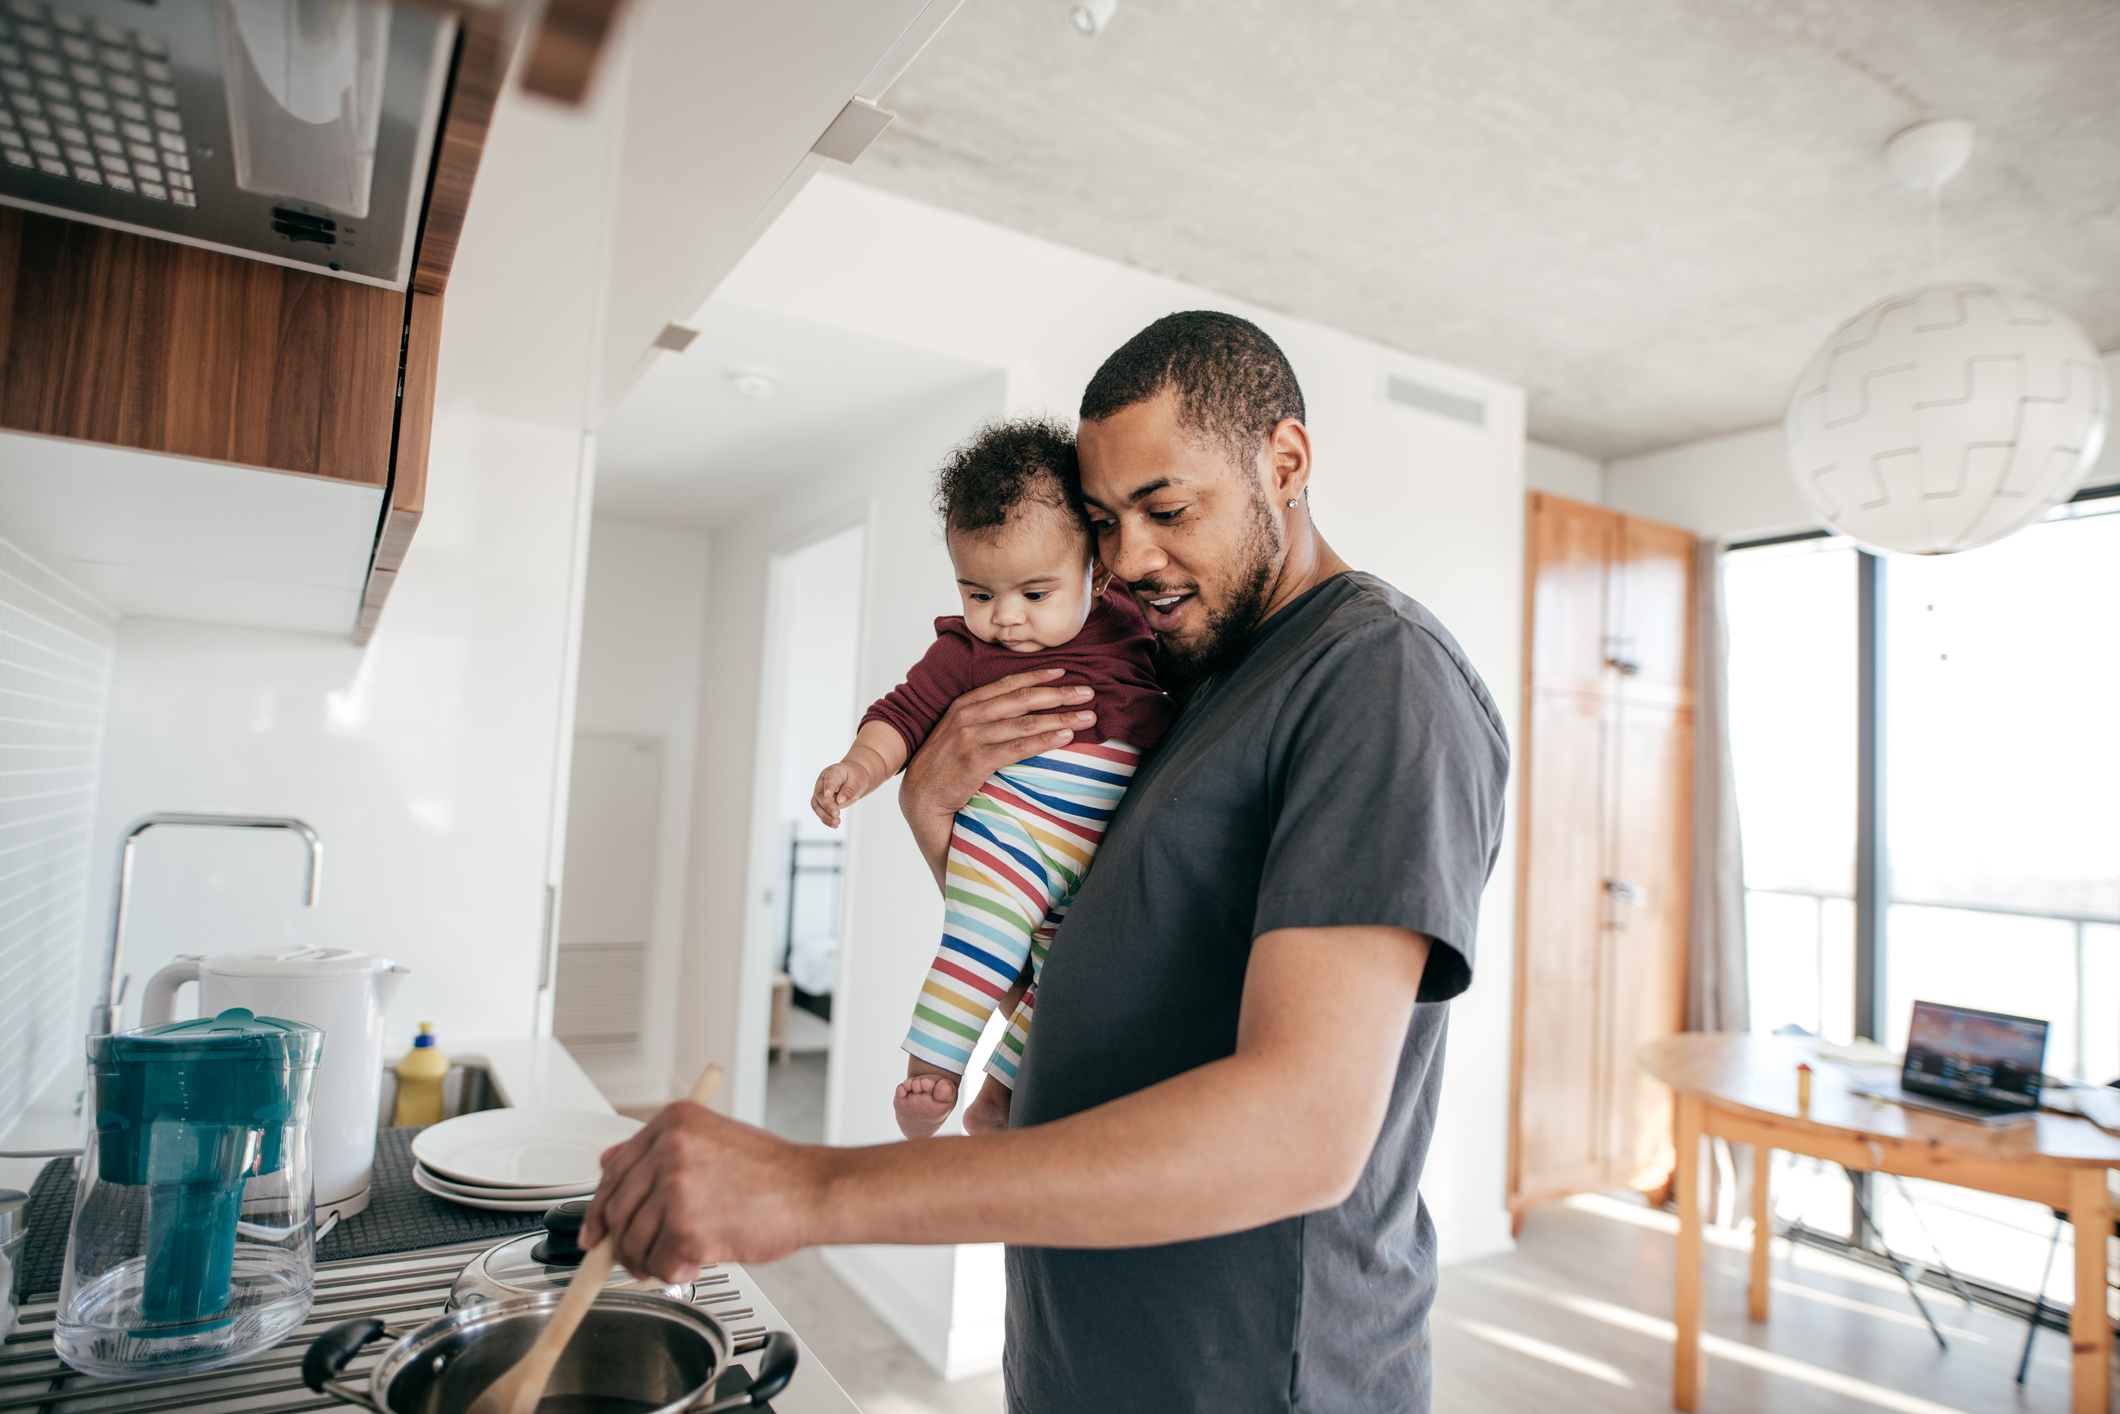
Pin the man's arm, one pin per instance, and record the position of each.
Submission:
(987, 728)
(1284, 1126)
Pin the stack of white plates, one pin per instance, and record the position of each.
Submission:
(517, 1161)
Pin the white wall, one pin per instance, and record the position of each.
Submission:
(1563, 473)
(1738, 485)
(55, 658)
(644, 619)
(737, 844)
(429, 762)
(891, 917)
(1727, 486)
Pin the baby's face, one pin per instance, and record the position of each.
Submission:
(1029, 584)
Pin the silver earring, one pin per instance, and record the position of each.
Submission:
(1291, 505)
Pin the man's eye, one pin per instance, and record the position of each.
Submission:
(1166, 517)
(1105, 527)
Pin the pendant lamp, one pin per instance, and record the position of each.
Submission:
(1947, 417)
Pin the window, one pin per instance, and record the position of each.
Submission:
(1792, 732)
(2001, 773)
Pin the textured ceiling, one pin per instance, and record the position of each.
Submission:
(1648, 214)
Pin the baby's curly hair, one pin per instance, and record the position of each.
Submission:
(1025, 461)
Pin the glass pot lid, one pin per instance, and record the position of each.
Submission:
(544, 1261)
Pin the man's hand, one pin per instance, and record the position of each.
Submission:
(693, 1188)
(997, 725)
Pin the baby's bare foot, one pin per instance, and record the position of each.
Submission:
(988, 1110)
(923, 1102)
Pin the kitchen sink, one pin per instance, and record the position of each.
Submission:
(466, 1089)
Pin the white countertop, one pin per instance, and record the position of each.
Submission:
(533, 1072)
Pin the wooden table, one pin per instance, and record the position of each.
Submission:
(1743, 1089)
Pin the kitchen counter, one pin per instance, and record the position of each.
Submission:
(405, 1288)
(532, 1071)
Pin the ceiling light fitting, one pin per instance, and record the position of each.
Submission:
(1089, 18)
(755, 383)
(1949, 417)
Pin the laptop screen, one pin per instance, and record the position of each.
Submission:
(1980, 1057)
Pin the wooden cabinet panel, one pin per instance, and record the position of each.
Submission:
(1651, 854)
(111, 337)
(1561, 1045)
(1652, 629)
(1571, 547)
(1605, 869)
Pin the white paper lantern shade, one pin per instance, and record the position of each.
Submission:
(1936, 421)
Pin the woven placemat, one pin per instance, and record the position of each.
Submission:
(400, 1217)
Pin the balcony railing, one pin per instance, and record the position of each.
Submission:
(2078, 921)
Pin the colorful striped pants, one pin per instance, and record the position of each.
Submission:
(1018, 852)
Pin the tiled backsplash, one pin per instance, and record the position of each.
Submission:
(55, 659)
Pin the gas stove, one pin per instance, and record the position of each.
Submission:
(404, 1289)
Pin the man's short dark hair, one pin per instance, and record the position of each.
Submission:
(1026, 461)
(1233, 382)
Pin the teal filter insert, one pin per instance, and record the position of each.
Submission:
(191, 1238)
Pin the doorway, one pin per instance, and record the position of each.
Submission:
(808, 715)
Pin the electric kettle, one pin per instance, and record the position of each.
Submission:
(344, 994)
(193, 1241)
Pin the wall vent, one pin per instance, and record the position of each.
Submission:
(1407, 392)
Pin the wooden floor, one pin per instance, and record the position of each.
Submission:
(879, 1372)
(1577, 1320)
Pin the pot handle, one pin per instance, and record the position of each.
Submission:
(775, 1368)
(332, 1351)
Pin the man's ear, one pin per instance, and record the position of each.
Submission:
(1100, 579)
(1287, 458)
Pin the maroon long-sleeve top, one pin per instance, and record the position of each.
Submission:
(1113, 655)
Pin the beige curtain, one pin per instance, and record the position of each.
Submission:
(1716, 993)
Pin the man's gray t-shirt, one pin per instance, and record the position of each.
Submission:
(1348, 771)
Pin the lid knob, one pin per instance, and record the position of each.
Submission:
(562, 1244)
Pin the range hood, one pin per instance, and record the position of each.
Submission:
(294, 131)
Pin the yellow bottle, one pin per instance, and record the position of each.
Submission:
(419, 1074)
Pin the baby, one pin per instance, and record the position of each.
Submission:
(1034, 597)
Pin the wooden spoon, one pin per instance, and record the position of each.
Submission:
(521, 1389)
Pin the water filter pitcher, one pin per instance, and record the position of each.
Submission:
(193, 1240)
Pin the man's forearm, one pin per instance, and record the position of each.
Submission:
(1283, 1126)
(1280, 1128)
(1180, 1160)
(931, 832)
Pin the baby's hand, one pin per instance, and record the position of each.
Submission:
(838, 786)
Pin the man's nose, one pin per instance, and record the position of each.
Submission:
(1136, 555)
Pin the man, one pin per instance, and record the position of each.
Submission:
(1209, 1185)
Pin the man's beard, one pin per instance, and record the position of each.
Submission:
(1229, 627)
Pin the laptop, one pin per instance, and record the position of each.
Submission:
(1977, 1065)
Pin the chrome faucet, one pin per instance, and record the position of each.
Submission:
(110, 992)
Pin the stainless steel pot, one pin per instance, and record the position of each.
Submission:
(635, 1353)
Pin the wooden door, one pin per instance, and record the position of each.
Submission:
(1561, 1045)
(1650, 849)
(1604, 873)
